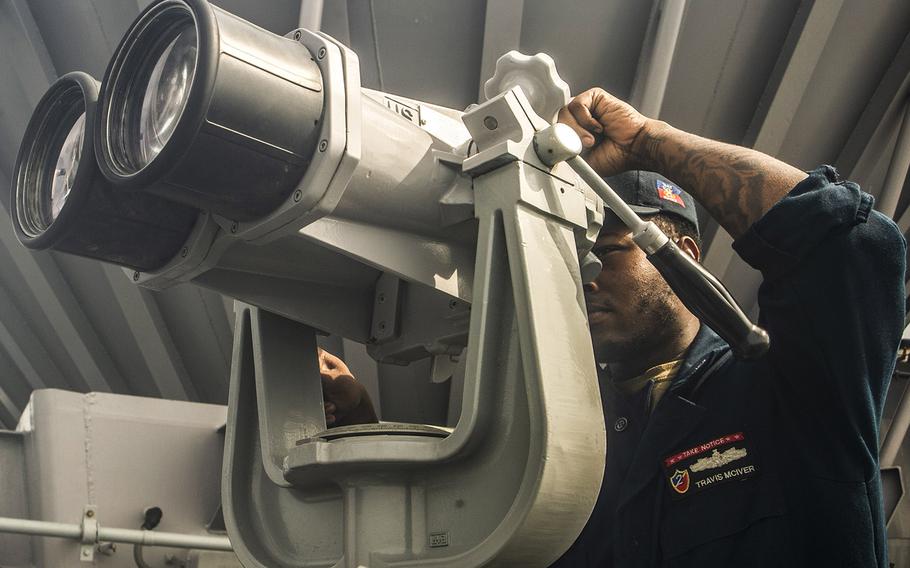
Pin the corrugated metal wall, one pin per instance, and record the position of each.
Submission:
(809, 81)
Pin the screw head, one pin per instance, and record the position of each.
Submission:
(380, 298)
(321, 53)
(323, 144)
(234, 227)
(135, 279)
(91, 513)
(491, 123)
(297, 195)
(453, 304)
(297, 35)
(382, 326)
(184, 251)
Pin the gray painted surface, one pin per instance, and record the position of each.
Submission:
(70, 323)
(119, 453)
(16, 550)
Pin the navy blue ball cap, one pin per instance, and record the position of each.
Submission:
(648, 193)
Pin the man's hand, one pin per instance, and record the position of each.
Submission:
(736, 185)
(346, 400)
(608, 127)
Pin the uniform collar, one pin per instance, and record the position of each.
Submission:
(705, 349)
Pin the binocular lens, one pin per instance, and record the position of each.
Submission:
(49, 160)
(166, 94)
(204, 109)
(66, 166)
(60, 200)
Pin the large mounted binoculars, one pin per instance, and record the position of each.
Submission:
(217, 153)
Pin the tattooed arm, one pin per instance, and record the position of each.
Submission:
(736, 185)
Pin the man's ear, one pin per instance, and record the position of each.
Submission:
(688, 245)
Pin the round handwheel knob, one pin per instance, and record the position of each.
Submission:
(537, 77)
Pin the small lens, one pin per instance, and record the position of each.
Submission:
(50, 157)
(166, 94)
(67, 164)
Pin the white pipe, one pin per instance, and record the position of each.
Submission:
(40, 528)
(658, 71)
(129, 536)
(175, 540)
(310, 15)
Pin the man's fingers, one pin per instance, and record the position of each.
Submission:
(324, 363)
(342, 391)
(565, 117)
(344, 399)
(581, 107)
(577, 114)
(329, 362)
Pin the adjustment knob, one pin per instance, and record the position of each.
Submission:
(537, 77)
(557, 143)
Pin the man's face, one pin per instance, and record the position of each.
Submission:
(631, 309)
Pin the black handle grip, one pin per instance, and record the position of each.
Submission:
(707, 298)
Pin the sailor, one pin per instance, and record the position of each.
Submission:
(713, 461)
(795, 477)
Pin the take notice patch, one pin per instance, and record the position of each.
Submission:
(728, 458)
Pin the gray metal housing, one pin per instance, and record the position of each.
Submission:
(118, 453)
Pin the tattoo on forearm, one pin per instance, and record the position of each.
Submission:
(736, 185)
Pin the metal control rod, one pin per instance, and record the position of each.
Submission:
(699, 290)
(130, 536)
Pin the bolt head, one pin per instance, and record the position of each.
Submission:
(323, 144)
(321, 53)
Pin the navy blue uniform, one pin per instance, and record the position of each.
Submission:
(772, 462)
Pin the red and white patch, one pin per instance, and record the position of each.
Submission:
(717, 461)
(702, 448)
(669, 192)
